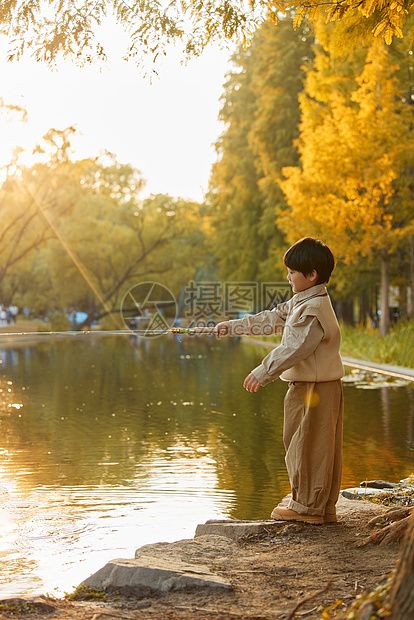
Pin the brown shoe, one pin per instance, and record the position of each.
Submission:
(286, 514)
(330, 518)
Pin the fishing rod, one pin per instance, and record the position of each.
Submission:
(116, 332)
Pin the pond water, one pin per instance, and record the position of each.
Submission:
(109, 443)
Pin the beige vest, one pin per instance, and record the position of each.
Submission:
(325, 362)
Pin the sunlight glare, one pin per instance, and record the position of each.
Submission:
(165, 126)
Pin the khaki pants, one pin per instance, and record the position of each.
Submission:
(312, 437)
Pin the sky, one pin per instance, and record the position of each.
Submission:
(165, 127)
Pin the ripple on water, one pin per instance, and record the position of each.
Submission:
(51, 530)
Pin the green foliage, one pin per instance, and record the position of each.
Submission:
(76, 234)
(59, 321)
(261, 113)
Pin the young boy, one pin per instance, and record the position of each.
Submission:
(308, 358)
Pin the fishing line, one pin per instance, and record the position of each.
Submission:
(116, 332)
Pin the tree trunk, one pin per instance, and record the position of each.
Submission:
(410, 305)
(365, 312)
(344, 309)
(401, 596)
(385, 283)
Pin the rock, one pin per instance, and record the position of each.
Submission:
(234, 529)
(159, 568)
(360, 493)
(194, 551)
(148, 575)
(395, 492)
(379, 484)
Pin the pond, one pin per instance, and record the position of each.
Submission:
(109, 443)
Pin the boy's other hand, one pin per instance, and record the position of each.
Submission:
(222, 329)
(251, 384)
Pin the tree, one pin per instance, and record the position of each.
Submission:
(234, 197)
(21, 231)
(261, 113)
(23, 228)
(48, 29)
(76, 233)
(352, 149)
(401, 597)
(157, 238)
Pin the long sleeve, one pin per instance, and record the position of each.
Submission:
(264, 323)
(299, 342)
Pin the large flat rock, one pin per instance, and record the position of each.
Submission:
(163, 567)
(150, 575)
(201, 550)
(234, 529)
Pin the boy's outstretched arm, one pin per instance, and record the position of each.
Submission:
(222, 329)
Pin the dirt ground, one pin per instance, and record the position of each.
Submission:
(270, 574)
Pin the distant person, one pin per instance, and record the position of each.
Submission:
(308, 359)
(14, 311)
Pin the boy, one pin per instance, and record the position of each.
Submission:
(308, 358)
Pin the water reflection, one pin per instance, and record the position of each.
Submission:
(108, 444)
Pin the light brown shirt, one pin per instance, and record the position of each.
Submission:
(309, 350)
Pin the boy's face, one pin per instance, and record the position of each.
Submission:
(299, 282)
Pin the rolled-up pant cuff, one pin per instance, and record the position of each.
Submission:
(305, 510)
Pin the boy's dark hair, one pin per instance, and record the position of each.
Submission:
(310, 254)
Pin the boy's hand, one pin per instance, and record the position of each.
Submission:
(222, 329)
(251, 384)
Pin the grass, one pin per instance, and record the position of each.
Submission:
(24, 325)
(85, 593)
(396, 348)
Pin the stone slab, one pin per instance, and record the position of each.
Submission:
(379, 484)
(235, 529)
(200, 550)
(148, 575)
(361, 492)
